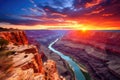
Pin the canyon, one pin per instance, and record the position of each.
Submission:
(26, 59)
(98, 51)
(47, 37)
(27, 56)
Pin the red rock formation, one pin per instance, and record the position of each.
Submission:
(100, 39)
(15, 37)
(35, 63)
(39, 62)
(27, 61)
(99, 50)
(51, 72)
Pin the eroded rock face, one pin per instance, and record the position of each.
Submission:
(99, 51)
(26, 65)
(29, 66)
(101, 39)
(14, 37)
(51, 71)
(27, 61)
(28, 74)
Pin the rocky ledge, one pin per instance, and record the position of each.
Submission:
(15, 37)
(25, 60)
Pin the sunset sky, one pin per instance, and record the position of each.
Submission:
(60, 14)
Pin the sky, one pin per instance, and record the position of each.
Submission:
(60, 14)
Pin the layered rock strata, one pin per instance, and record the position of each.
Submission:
(26, 60)
(97, 50)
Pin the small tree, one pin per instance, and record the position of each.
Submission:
(3, 43)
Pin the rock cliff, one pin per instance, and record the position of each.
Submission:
(15, 37)
(98, 50)
(26, 60)
(35, 37)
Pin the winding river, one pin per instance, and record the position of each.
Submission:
(75, 67)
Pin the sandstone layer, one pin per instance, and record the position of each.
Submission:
(27, 63)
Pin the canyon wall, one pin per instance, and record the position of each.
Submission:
(100, 39)
(26, 60)
(15, 37)
(98, 50)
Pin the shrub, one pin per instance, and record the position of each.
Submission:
(3, 43)
(10, 53)
(6, 53)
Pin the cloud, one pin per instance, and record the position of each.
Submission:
(93, 3)
(95, 12)
(64, 12)
(107, 15)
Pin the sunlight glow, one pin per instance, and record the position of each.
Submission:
(75, 26)
(84, 29)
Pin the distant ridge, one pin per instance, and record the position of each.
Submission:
(6, 29)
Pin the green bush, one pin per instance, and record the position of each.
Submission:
(6, 53)
(3, 43)
(5, 60)
(10, 53)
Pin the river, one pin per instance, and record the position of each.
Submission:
(74, 66)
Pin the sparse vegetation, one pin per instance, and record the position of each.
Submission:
(86, 75)
(10, 53)
(7, 29)
(3, 43)
(5, 60)
(3, 29)
(6, 53)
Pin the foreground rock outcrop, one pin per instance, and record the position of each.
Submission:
(26, 60)
(97, 50)
(15, 37)
(29, 66)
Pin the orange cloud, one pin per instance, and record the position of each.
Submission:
(91, 24)
(93, 3)
(95, 12)
(107, 14)
(57, 14)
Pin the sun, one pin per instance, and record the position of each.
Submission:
(84, 29)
